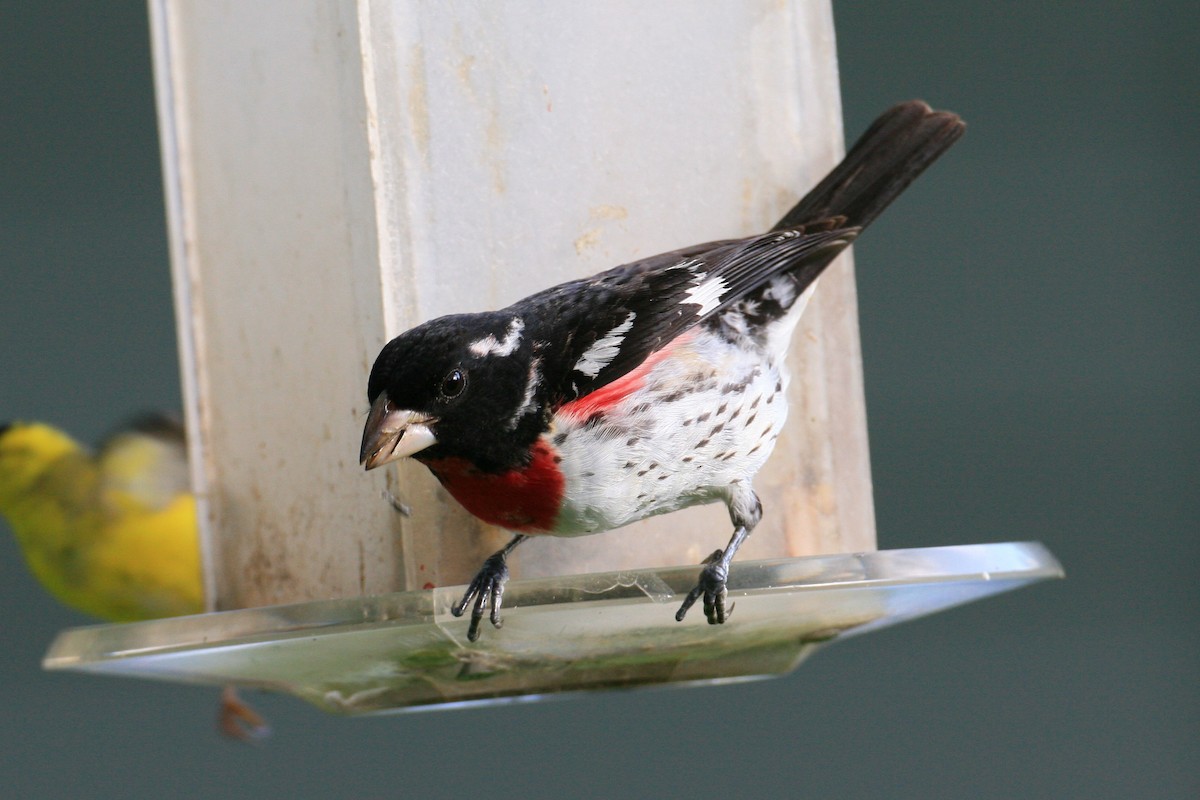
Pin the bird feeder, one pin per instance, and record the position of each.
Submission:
(337, 172)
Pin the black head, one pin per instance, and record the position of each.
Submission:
(458, 386)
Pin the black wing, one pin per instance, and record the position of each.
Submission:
(610, 323)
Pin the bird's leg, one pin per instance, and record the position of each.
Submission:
(745, 510)
(237, 720)
(712, 583)
(487, 588)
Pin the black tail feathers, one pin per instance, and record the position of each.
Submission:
(897, 148)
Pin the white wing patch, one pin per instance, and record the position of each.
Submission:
(489, 346)
(605, 349)
(707, 294)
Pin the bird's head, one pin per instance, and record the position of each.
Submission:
(464, 386)
(27, 451)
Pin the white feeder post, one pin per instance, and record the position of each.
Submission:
(339, 171)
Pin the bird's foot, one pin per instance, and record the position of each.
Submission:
(486, 589)
(711, 587)
(237, 720)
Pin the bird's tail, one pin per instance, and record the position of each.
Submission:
(897, 148)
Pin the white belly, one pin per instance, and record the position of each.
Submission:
(704, 420)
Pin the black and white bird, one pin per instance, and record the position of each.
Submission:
(639, 391)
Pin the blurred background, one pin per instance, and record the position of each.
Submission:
(1031, 336)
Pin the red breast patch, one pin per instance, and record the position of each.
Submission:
(522, 500)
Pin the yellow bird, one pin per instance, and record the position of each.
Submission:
(112, 534)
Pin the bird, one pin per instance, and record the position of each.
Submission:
(112, 534)
(641, 390)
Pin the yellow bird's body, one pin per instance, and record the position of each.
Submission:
(112, 534)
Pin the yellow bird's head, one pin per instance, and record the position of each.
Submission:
(29, 452)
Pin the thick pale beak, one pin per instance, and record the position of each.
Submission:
(392, 433)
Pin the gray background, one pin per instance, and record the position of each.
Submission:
(1030, 331)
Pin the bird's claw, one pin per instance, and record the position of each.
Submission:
(710, 586)
(487, 590)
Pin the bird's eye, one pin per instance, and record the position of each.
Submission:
(454, 383)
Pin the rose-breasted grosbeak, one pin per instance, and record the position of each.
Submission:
(648, 388)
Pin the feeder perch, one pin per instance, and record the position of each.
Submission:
(337, 172)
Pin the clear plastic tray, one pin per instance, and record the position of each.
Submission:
(405, 650)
